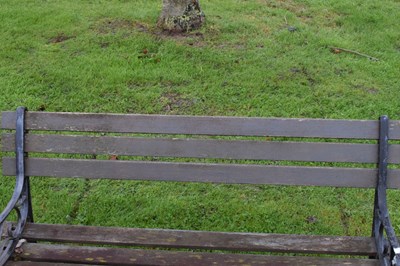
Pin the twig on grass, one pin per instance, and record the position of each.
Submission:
(338, 50)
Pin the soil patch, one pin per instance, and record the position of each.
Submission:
(186, 38)
(369, 89)
(174, 102)
(61, 37)
(113, 26)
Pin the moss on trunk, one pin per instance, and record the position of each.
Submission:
(181, 15)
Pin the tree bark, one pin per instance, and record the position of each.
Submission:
(181, 15)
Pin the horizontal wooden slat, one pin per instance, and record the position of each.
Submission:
(123, 256)
(201, 148)
(338, 245)
(33, 263)
(198, 172)
(202, 125)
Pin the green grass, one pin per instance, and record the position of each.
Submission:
(88, 56)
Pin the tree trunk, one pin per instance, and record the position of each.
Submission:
(180, 15)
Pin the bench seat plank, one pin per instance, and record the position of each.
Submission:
(124, 256)
(203, 172)
(203, 148)
(338, 245)
(201, 125)
(35, 263)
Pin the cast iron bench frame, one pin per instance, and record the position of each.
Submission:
(382, 248)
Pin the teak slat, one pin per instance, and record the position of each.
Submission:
(200, 172)
(123, 256)
(338, 245)
(201, 125)
(203, 148)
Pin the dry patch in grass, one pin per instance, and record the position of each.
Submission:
(61, 37)
(174, 102)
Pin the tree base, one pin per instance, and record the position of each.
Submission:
(181, 16)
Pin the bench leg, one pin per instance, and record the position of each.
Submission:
(388, 249)
(10, 233)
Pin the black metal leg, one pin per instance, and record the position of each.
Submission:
(20, 201)
(387, 245)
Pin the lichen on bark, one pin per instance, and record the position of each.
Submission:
(181, 15)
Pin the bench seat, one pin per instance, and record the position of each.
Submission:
(65, 238)
(40, 253)
(336, 245)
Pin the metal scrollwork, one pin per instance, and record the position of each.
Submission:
(387, 245)
(20, 201)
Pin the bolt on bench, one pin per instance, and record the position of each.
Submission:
(27, 243)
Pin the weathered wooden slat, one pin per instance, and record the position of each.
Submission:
(202, 125)
(202, 148)
(199, 172)
(124, 256)
(338, 245)
(33, 263)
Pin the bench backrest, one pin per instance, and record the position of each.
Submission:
(312, 152)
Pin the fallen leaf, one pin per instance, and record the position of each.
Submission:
(113, 157)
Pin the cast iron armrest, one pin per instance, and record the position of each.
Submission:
(388, 248)
(20, 200)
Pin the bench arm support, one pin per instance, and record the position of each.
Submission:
(388, 248)
(20, 200)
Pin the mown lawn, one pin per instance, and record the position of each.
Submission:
(267, 58)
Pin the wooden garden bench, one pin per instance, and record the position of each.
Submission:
(27, 243)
